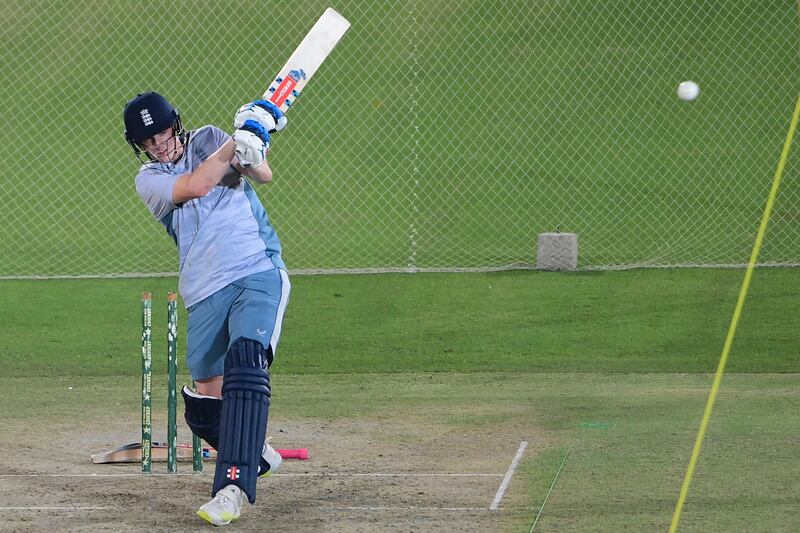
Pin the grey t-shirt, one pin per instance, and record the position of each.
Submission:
(221, 237)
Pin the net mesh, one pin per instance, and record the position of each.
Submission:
(439, 135)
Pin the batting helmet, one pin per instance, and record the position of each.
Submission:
(147, 114)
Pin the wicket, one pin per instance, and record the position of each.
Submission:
(147, 360)
(172, 401)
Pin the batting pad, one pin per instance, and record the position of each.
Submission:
(245, 407)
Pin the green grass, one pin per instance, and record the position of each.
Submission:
(625, 477)
(436, 135)
(614, 367)
(632, 321)
(446, 134)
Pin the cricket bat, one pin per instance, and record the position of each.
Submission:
(132, 453)
(306, 59)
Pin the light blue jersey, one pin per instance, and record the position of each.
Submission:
(221, 237)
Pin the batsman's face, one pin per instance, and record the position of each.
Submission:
(164, 146)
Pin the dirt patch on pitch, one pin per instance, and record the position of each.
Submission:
(401, 473)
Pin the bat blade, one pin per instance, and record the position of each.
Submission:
(132, 453)
(306, 59)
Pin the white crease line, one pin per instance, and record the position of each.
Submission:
(315, 474)
(95, 475)
(53, 508)
(413, 508)
(348, 508)
(509, 474)
(410, 508)
(332, 474)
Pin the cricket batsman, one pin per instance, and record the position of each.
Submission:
(232, 278)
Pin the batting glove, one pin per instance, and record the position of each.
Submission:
(252, 143)
(263, 111)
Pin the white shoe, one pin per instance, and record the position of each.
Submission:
(226, 507)
(270, 461)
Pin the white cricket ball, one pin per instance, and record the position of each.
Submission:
(688, 90)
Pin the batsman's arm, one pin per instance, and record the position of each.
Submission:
(262, 173)
(206, 176)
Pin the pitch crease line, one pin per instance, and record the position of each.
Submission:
(277, 474)
(507, 479)
(409, 508)
(97, 475)
(54, 508)
(387, 475)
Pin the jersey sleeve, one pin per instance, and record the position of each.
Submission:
(206, 140)
(155, 190)
(219, 136)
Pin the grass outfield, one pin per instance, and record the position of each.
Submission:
(632, 321)
(614, 367)
(436, 135)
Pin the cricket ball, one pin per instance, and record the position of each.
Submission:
(688, 91)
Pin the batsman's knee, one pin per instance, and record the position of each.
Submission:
(202, 414)
(246, 368)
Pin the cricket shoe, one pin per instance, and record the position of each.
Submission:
(226, 507)
(269, 462)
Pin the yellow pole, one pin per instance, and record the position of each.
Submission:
(773, 193)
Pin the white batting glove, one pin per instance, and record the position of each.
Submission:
(252, 144)
(262, 111)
